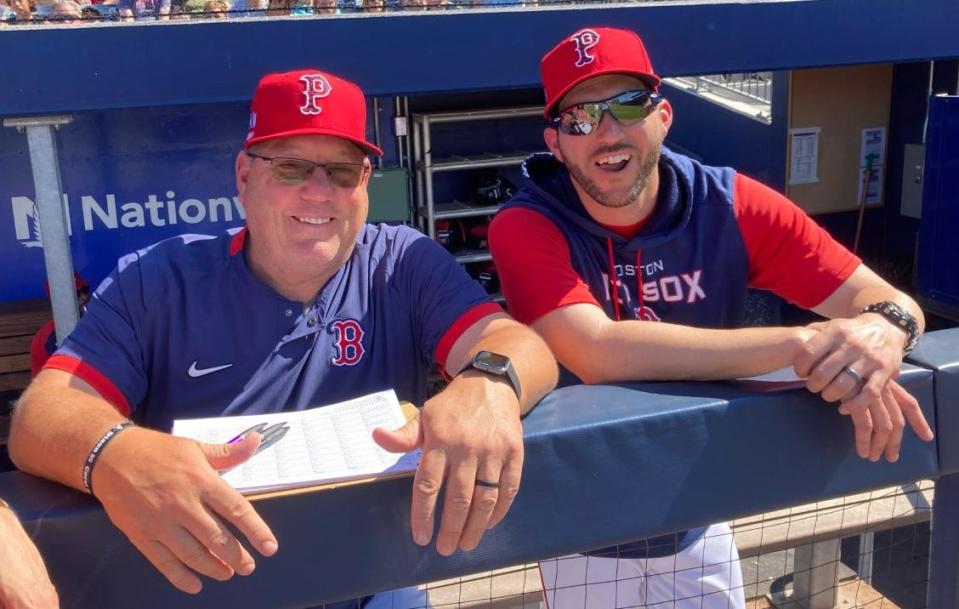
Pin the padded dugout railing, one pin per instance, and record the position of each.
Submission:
(631, 461)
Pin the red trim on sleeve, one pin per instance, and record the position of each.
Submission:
(462, 324)
(38, 348)
(237, 242)
(534, 265)
(84, 371)
(789, 253)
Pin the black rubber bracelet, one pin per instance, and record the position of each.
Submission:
(95, 453)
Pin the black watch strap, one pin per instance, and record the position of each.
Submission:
(899, 317)
(495, 364)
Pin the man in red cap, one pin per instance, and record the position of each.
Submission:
(612, 231)
(306, 305)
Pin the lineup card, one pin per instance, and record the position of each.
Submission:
(324, 444)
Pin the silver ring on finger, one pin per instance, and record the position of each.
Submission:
(852, 373)
(486, 483)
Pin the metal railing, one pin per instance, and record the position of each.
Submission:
(748, 93)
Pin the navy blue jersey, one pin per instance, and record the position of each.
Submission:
(183, 329)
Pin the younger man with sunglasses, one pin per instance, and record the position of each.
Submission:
(306, 305)
(612, 230)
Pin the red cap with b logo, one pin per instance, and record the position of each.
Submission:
(308, 102)
(591, 52)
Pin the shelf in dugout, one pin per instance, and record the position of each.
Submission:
(462, 209)
(478, 161)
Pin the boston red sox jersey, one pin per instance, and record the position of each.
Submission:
(713, 234)
(183, 329)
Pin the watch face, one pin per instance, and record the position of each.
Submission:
(493, 362)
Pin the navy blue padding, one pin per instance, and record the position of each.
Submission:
(603, 465)
(939, 351)
(136, 65)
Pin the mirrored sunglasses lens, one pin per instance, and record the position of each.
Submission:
(292, 171)
(629, 113)
(630, 107)
(580, 120)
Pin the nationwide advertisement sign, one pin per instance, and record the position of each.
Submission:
(130, 178)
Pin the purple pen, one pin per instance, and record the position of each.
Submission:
(258, 427)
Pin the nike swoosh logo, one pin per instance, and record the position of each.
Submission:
(196, 373)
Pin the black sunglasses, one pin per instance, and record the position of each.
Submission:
(292, 172)
(627, 108)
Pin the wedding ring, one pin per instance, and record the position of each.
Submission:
(486, 483)
(855, 375)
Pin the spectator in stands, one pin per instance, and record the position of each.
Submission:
(306, 305)
(6, 13)
(23, 577)
(325, 7)
(373, 6)
(215, 9)
(249, 8)
(424, 5)
(144, 10)
(44, 342)
(23, 10)
(66, 11)
(279, 8)
(613, 232)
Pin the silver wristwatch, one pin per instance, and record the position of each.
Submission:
(496, 365)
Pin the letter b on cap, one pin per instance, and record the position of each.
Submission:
(584, 41)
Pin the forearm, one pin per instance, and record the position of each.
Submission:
(864, 287)
(55, 425)
(531, 358)
(637, 350)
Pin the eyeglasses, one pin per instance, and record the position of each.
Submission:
(296, 171)
(627, 108)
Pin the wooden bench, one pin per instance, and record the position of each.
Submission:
(814, 530)
(19, 321)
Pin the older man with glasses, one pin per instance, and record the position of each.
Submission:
(613, 231)
(306, 305)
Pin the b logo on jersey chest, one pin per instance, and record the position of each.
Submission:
(347, 342)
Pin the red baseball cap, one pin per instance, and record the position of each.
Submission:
(308, 102)
(591, 52)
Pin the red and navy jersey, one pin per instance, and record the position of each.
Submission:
(714, 234)
(183, 329)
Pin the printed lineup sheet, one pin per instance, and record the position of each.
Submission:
(324, 444)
